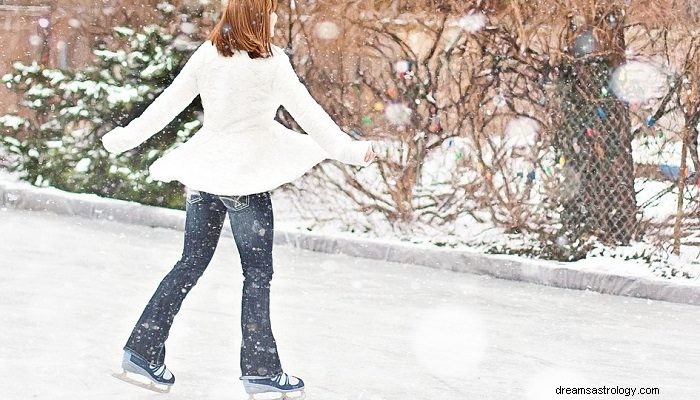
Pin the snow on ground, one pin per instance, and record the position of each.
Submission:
(352, 328)
(335, 213)
(329, 214)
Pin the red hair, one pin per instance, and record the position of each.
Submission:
(244, 26)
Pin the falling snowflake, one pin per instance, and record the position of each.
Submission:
(327, 30)
(473, 22)
(402, 66)
(522, 131)
(637, 82)
(398, 114)
(188, 28)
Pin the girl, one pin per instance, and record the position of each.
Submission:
(229, 168)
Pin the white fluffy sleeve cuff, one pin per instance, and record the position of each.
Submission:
(114, 141)
(355, 151)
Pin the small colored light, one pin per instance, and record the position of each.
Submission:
(601, 113)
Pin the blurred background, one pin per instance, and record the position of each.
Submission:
(563, 130)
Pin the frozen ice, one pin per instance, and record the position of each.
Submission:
(392, 330)
(456, 334)
(543, 385)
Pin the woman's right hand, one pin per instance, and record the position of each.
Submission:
(371, 154)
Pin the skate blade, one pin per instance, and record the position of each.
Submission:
(125, 376)
(297, 395)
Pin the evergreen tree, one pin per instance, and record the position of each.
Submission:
(59, 143)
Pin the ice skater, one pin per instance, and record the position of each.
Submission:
(229, 167)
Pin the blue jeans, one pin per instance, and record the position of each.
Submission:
(251, 221)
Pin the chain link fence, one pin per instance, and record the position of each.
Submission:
(595, 145)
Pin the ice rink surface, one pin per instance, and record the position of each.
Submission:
(72, 288)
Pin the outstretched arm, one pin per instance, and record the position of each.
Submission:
(169, 103)
(313, 118)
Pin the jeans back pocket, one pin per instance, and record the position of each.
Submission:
(193, 196)
(236, 203)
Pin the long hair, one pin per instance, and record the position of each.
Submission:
(244, 25)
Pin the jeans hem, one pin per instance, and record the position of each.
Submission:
(137, 353)
(258, 377)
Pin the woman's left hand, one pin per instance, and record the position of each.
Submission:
(112, 141)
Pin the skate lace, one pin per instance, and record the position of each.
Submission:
(160, 371)
(282, 376)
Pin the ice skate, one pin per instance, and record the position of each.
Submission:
(139, 372)
(281, 383)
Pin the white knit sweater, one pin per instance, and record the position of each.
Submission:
(239, 149)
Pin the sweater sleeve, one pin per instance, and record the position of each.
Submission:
(169, 103)
(313, 118)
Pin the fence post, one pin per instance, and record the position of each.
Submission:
(681, 188)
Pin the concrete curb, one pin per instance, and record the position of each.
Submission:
(504, 267)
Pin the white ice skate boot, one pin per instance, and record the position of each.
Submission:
(139, 372)
(281, 383)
